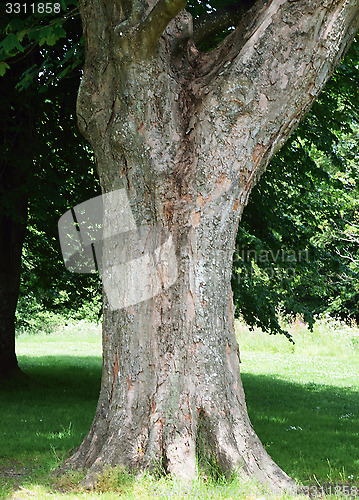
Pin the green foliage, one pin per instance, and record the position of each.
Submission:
(65, 170)
(35, 315)
(54, 172)
(11, 44)
(33, 30)
(3, 67)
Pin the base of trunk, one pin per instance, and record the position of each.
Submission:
(171, 382)
(180, 432)
(9, 370)
(185, 457)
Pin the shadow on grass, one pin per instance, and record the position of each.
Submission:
(302, 426)
(308, 429)
(53, 409)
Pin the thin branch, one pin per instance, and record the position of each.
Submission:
(159, 18)
(211, 24)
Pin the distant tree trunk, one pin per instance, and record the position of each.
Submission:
(17, 153)
(188, 134)
(12, 234)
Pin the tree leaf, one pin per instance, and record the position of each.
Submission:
(3, 67)
(10, 43)
(51, 34)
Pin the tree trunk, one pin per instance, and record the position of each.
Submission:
(12, 234)
(17, 153)
(171, 377)
(13, 219)
(187, 135)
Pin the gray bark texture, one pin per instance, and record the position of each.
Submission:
(188, 134)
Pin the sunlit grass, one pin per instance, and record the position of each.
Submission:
(303, 401)
(328, 338)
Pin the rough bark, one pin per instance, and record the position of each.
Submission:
(188, 134)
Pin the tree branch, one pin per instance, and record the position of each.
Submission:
(158, 19)
(210, 24)
(260, 82)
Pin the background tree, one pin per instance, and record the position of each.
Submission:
(65, 170)
(40, 77)
(17, 136)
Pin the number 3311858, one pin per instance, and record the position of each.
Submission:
(34, 8)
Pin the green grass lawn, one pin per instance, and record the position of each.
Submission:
(303, 401)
